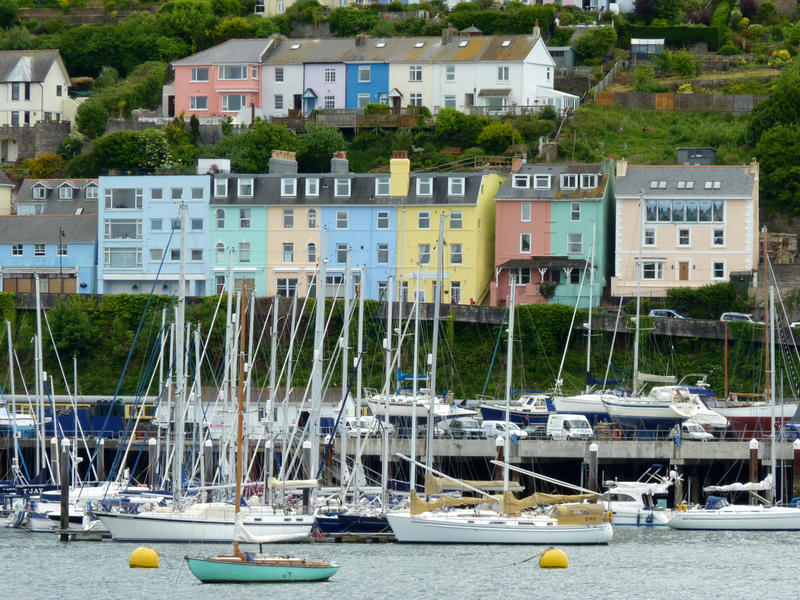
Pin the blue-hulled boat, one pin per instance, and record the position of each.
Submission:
(258, 568)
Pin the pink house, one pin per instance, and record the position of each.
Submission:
(220, 81)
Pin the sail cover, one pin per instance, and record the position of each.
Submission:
(242, 534)
(765, 484)
(436, 485)
(657, 378)
(291, 483)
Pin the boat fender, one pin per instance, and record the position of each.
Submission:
(616, 434)
(682, 507)
(609, 516)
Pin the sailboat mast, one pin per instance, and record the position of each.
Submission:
(345, 340)
(767, 316)
(590, 266)
(386, 384)
(509, 369)
(412, 466)
(316, 372)
(273, 371)
(40, 453)
(180, 352)
(359, 376)
(240, 412)
(437, 302)
(773, 459)
(638, 295)
(15, 463)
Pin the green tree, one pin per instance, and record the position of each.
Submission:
(8, 13)
(250, 151)
(71, 326)
(146, 150)
(108, 76)
(45, 166)
(320, 142)
(91, 119)
(685, 63)
(497, 137)
(457, 129)
(781, 108)
(592, 45)
(232, 27)
(71, 145)
(778, 152)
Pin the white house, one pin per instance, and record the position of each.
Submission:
(33, 87)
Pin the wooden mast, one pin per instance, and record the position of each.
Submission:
(240, 414)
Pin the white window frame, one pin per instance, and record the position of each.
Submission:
(341, 253)
(455, 186)
(450, 73)
(383, 186)
(362, 70)
(311, 252)
(456, 219)
(157, 224)
(225, 72)
(289, 186)
(220, 218)
(424, 186)
(311, 218)
(688, 242)
(574, 245)
(197, 71)
(219, 251)
(245, 187)
(226, 104)
(312, 186)
(330, 102)
(197, 103)
(575, 211)
(456, 254)
(450, 102)
(245, 218)
(383, 254)
(278, 102)
(66, 192)
(220, 187)
(342, 187)
(415, 99)
(541, 182)
(657, 267)
(40, 250)
(415, 73)
(287, 252)
(383, 219)
(651, 233)
(589, 181)
(502, 73)
(330, 74)
(156, 254)
(39, 192)
(724, 266)
(17, 250)
(342, 219)
(569, 181)
(279, 75)
(714, 243)
(521, 181)
(244, 252)
(424, 252)
(424, 219)
(288, 218)
(525, 212)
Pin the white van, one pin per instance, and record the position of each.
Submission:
(498, 428)
(569, 427)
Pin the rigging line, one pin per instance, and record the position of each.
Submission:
(494, 355)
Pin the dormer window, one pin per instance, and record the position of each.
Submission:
(455, 186)
(91, 192)
(288, 186)
(521, 181)
(717, 185)
(681, 185)
(65, 192)
(589, 182)
(39, 192)
(220, 188)
(541, 182)
(342, 187)
(382, 186)
(569, 182)
(690, 185)
(654, 185)
(312, 186)
(245, 187)
(424, 186)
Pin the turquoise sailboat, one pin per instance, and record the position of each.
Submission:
(247, 567)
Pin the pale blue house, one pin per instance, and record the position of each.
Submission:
(60, 249)
(139, 233)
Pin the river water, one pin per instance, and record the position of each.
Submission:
(638, 563)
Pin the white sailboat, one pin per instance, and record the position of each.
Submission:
(510, 522)
(639, 503)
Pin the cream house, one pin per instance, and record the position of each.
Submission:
(33, 87)
(691, 226)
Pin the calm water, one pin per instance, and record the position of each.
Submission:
(637, 564)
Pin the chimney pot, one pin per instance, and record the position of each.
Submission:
(400, 154)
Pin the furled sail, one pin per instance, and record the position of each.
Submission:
(766, 484)
(291, 483)
(436, 485)
(657, 378)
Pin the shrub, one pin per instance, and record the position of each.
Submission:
(728, 49)
(686, 88)
(91, 119)
(377, 109)
(706, 302)
(549, 113)
(643, 78)
(497, 137)
(45, 166)
(685, 63)
(595, 43)
(71, 145)
(779, 58)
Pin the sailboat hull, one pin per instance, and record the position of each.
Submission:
(275, 570)
(739, 518)
(430, 529)
(186, 527)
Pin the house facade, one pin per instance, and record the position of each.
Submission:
(61, 250)
(139, 233)
(552, 234)
(692, 226)
(33, 87)
(57, 197)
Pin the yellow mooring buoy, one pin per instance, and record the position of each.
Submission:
(143, 558)
(553, 558)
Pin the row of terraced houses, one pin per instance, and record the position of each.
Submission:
(580, 228)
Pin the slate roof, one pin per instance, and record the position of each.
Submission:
(554, 192)
(539, 262)
(734, 181)
(43, 229)
(4, 180)
(267, 190)
(26, 65)
(429, 49)
(236, 51)
(52, 204)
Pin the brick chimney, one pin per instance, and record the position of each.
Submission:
(361, 39)
(282, 161)
(448, 34)
(339, 162)
(622, 167)
(516, 164)
(400, 169)
(537, 33)
(752, 168)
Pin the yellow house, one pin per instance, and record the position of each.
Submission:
(465, 204)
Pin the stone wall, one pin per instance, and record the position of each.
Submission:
(210, 133)
(32, 140)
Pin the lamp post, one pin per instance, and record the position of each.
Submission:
(60, 262)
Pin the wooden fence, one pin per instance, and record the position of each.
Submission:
(720, 103)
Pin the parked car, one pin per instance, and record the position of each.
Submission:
(569, 427)
(666, 313)
(612, 312)
(795, 325)
(363, 426)
(690, 430)
(536, 431)
(463, 428)
(736, 316)
(498, 428)
(790, 432)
